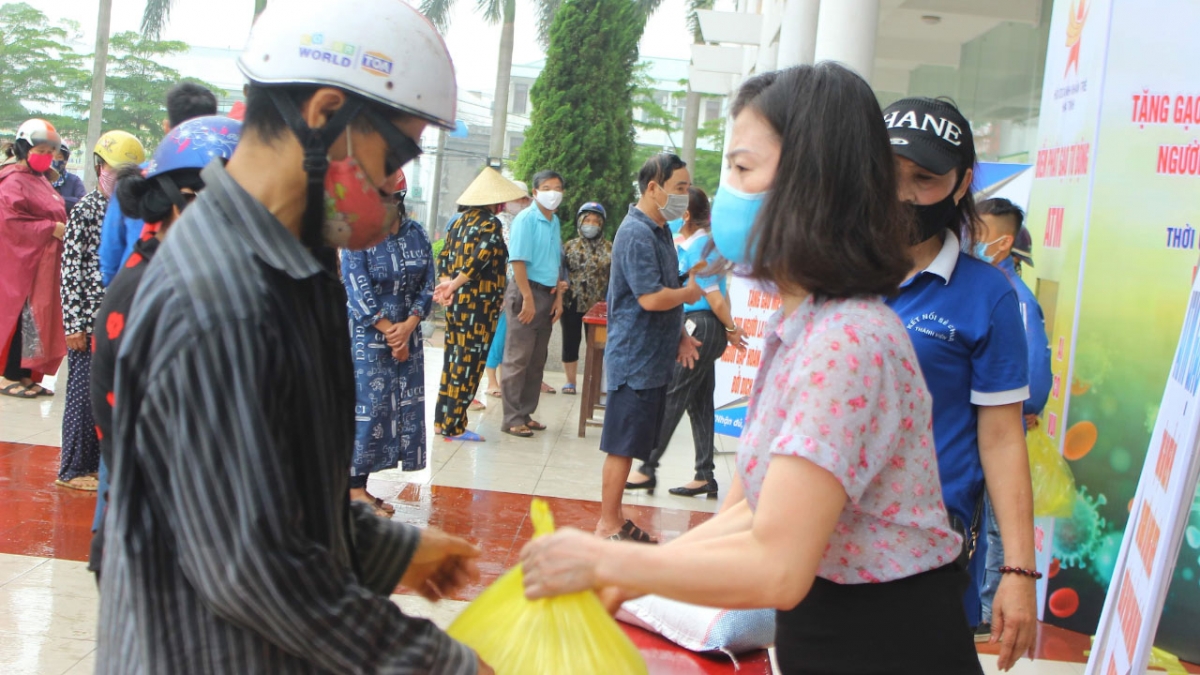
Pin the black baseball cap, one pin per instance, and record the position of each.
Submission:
(1022, 248)
(930, 132)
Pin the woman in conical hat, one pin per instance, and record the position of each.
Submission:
(471, 270)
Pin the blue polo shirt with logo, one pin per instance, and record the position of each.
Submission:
(965, 324)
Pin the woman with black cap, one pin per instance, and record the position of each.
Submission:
(964, 321)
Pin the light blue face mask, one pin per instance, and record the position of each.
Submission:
(675, 225)
(981, 251)
(733, 216)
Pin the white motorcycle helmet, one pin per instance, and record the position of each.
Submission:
(36, 132)
(383, 51)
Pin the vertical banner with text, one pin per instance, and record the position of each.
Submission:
(1139, 264)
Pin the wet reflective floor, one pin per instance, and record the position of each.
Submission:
(48, 601)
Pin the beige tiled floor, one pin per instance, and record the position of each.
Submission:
(48, 611)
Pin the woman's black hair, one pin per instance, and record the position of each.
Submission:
(145, 198)
(699, 208)
(831, 224)
(20, 149)
(968, 214)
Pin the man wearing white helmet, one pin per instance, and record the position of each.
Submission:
(231, 545)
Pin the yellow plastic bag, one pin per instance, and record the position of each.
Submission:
(567, 634)
(1053, 482)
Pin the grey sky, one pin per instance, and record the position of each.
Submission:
(473, 42)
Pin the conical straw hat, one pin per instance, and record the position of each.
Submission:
(488, 188)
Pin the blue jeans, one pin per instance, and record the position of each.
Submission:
(994, 561)
(496, 351)
(101, 496)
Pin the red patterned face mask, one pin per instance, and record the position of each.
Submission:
(357, 214)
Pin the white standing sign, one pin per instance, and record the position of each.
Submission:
(1157, 518)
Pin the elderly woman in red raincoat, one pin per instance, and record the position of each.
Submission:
(32, 222)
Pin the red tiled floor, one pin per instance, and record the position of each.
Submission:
(39, 518)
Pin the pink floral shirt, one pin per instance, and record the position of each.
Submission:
(840, 386)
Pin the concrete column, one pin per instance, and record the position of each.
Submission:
(765, 59)
(846, 31)
(798, 33)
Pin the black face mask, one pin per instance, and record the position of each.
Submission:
(932, 219)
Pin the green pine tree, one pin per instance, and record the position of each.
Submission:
(582, 123)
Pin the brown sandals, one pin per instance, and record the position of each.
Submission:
(631, 532)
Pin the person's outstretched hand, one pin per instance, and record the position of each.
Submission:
(442, 565)
(564, 562)
(1014, 619)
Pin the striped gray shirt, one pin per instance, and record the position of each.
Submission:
(231, 545)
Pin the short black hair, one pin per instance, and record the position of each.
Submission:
(831, 224)
(659, 169)
(543, 176)
(188, 100)
(999, 206)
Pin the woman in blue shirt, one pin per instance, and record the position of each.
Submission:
(963, 318)
(709, 321)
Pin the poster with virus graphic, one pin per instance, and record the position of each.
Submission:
(1113, 215)
(1058, 220)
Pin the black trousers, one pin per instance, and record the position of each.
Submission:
(12, 362)
(572, 334)
(923, 628)
(691, 390)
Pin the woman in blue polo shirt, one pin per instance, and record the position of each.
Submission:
(963, 319)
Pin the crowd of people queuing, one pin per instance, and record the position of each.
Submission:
(243, 377)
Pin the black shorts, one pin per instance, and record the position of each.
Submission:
(632, 420)
(923, 628)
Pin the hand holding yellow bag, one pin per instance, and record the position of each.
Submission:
(566, 634)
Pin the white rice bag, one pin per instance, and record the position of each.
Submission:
(702, 629)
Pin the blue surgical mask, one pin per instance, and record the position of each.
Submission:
(675, 225)
(981, 251)
(733, 216)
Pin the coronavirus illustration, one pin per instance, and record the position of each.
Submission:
(1077, 539)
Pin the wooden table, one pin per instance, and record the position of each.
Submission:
(596, 324)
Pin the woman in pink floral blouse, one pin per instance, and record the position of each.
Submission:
(837, 520)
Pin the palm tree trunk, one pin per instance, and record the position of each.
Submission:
(496, 150)
(96, 111)
(691, 125)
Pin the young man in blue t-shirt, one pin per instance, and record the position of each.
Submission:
(646, 335)
(1000, 234)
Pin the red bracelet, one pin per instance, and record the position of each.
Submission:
(1033, 574)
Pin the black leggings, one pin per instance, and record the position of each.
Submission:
(572, 332)
(924, 628)
(12, 364)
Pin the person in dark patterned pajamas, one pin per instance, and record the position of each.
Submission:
(82, 294)
(389, 290)
(471, 267)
